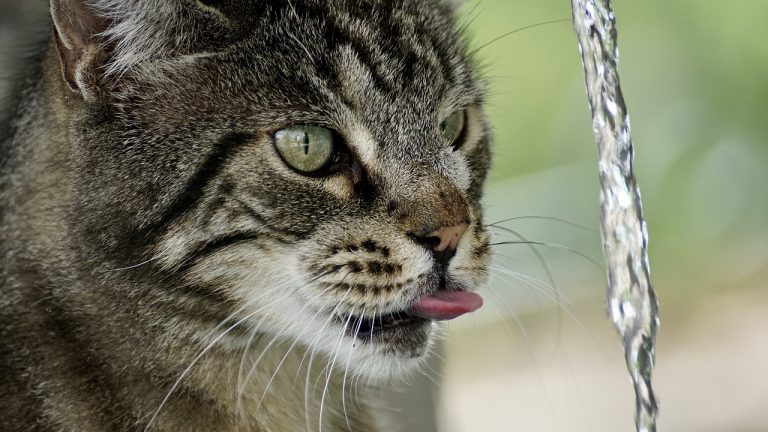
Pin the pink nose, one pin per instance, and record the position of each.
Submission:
(442, 241)
(449, 237)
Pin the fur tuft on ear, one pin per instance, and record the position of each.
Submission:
(454, 4)
(141, 30)
(99, 39)
(77, 29)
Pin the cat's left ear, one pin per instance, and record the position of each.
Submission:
(78, 30)
(454, 4)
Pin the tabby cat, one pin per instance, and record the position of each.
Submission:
(222, 215)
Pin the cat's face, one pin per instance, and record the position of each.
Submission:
(317, 164)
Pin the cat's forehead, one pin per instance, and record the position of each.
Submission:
(393, 47)
(385, 60)
(392, 69)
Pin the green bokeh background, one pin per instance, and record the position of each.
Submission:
(694, 75)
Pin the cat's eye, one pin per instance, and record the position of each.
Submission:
(307, 149)
(453, 128)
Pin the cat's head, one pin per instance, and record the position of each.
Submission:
(315, 164)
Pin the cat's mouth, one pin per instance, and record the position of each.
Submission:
(368, 328)
(441, 305)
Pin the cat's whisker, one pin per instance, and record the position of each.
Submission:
(528, 344)
(528, 284)
(241, 368)
(241, 383)
(313, 346)
(547, 271)
(498, 223)
(194, 361)
(532, 282)
(437, 374)
(434, 381)
(135, 266)
(211, 345)
(357, 379)
(330, 318)
(558, 301)
(330, 368)
(549, 245)
(346, 370)
(228, 221)
(306, 389)
(241, 389)
(435, 353)
(280, 364)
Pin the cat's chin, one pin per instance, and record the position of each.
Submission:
(393, 352)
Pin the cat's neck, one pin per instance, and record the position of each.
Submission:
(271, 387)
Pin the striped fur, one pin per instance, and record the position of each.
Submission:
(148, 217)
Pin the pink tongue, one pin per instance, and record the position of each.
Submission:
(446, 305)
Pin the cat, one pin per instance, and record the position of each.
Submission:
(224, 215)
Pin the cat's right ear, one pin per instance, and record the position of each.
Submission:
(77, 32)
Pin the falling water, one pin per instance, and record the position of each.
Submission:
(631, 300)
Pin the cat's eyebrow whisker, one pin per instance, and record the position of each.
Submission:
(517, 30)
(471, 16)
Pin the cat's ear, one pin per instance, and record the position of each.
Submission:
(78, 34)
(454, 4)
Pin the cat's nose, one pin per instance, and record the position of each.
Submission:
(442, 241)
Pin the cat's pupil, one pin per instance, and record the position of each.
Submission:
(305, 143)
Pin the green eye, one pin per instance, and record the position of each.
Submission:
(306, 149)
(453, 127)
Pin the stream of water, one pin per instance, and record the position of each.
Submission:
(632, 304)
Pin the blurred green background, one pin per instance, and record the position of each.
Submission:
(694, 76)
(540, 357)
